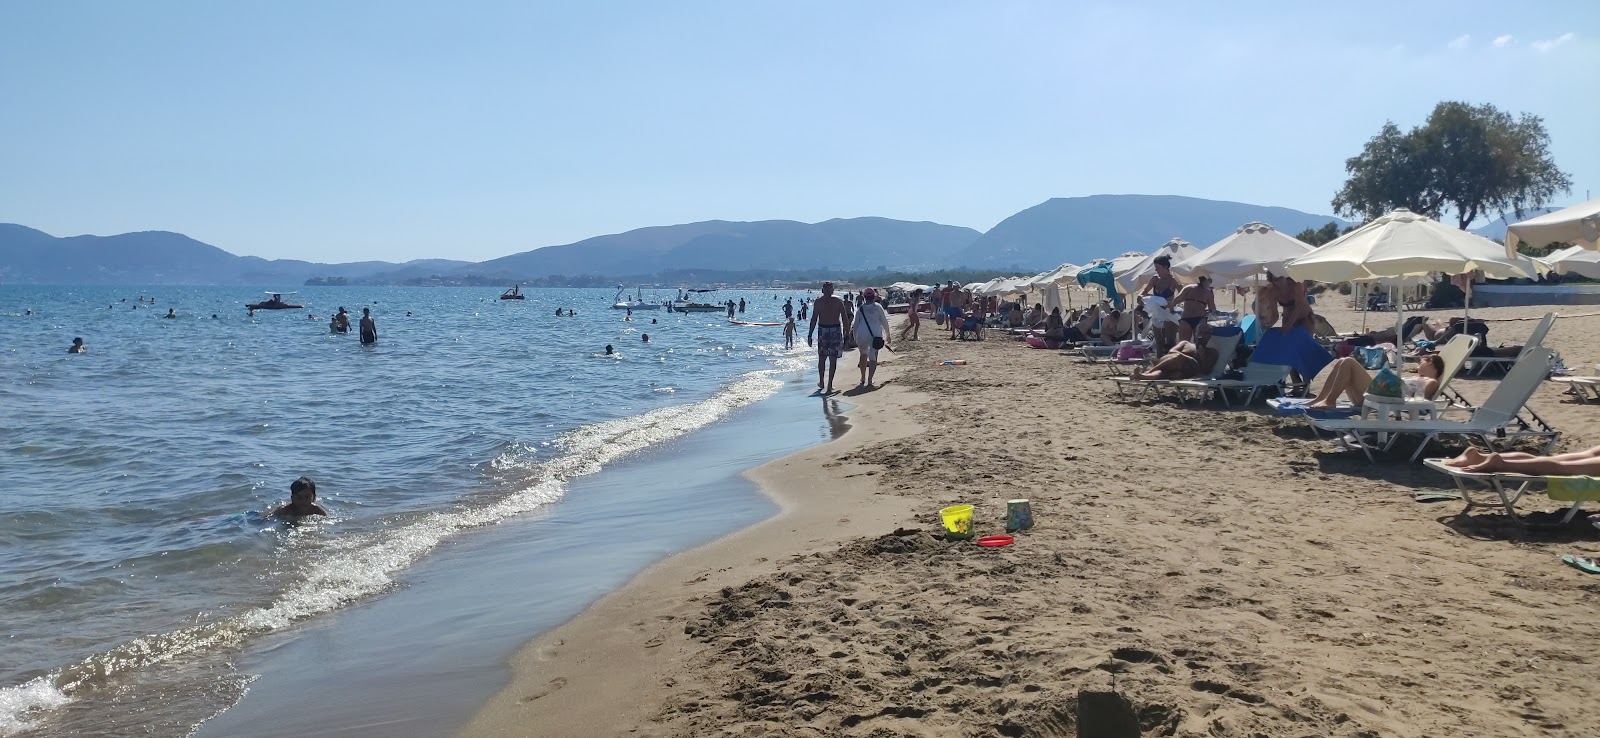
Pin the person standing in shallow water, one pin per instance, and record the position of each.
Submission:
(741, 304)
(369, 327)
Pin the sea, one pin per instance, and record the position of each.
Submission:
(488, 470)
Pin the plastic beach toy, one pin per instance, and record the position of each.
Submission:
(953, 362)
(995, 541)
(957, 522)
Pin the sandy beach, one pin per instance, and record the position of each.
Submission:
(1226, 572)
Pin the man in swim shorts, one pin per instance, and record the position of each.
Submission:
(302, 501)
(369, 327)
(827, 323)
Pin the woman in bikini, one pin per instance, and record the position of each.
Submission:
(913, 326)
(1347, 377)
(1197, 301)
(1185, 361)
(1164, 286)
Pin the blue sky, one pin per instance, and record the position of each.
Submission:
(398, 130)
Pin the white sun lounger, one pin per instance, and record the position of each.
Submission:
(1498, 482)
(1226, 346)
(1453, 353)
(1585, 389)
(1495, 419)
(1535, 340)
(1257, 377)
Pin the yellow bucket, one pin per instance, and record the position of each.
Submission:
(957, 521)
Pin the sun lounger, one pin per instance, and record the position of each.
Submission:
(1495, 420)
(1226, 346)
(1585, 389)
(1576, 490)
(1256, 378)
(1454, 354)
(1535, 339)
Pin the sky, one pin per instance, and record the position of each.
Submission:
(398, 130)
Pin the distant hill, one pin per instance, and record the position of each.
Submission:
(839, 244)
(28, 256)
(1078, 229)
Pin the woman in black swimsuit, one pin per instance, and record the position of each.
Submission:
(1197, 301)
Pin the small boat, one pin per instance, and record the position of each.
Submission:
(686, 304)
(622, 302)
(274, 301)
(515, 293)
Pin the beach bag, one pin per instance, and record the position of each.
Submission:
(1129, 352)
(877, 340)
(1386, 386)
(1372, 357)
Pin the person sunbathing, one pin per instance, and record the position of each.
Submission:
(1082, 329)
(1185, 361)
(1346, 376)
(1584, 463)
(1054, 329)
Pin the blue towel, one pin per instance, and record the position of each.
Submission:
(1297, 350)
(1249, 330)
(1100, 274)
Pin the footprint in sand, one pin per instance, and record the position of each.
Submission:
(548, 689)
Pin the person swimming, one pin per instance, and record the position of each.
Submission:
(171, 314)
(645, 338)
(302, 501)
(610, 351)
(77, 347)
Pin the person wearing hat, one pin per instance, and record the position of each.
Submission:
(871, 333)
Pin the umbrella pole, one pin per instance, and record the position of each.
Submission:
(1362, 296)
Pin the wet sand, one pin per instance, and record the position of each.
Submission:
(1224, 570)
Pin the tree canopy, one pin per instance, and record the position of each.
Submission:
(1319, 236)
(1471, 160)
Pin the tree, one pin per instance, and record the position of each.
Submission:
(1319, 236)
(1468, 159)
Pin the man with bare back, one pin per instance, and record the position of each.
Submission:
(827, 322)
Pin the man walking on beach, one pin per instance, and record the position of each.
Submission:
(827, 322)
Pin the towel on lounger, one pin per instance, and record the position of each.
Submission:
(1297, 350)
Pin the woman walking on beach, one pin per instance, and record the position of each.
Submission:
(913, 324)
(872, 334)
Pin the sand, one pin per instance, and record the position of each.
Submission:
(1223, 570)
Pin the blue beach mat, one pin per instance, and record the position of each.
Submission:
(1297, 350)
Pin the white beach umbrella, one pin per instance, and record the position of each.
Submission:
(1129, 279)
(1245, 254)
(1405, 244)
(1576, 260)
(1578, 225)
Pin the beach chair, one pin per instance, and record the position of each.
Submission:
(1585, 389)
(1535, 340)
(1453, 353)
(971, 330)
(1227, 347)
(1576, 490)
(1495, 420)
(1257, 377)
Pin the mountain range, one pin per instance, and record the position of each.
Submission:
(1060, 230)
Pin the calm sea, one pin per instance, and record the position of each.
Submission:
(136, 556)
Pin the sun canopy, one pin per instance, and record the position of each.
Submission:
(1246, 253)
(1579, 225)
(1576, 260)
(1405, 244)
(1129, 278)
(908, 286)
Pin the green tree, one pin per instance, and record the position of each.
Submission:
(1319, 236)
(1468, 159)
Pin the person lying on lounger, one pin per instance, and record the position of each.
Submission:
(1577, 464)
(1186, 360)
(1346, 376)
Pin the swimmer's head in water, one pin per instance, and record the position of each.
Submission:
(609, 349)
(77, 342)
(303, 489)
(646, 337)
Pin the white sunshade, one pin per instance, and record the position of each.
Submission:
(1579, 224)
(1576, 260)
(1129, 278)
(1405, 244)
(1249, 251)
(1060, 275)
(908, 286)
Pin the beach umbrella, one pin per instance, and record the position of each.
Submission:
(1578, 225)
(1406, 244)
(1129, 278)
(1575, 260)
(1052, 297)
(1244, 255)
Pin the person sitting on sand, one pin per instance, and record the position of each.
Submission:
(302, 501)
(1346, 376)
(77, 347)
(1584, 463)
(1185, 361)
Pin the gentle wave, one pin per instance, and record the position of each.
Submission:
(364, 565)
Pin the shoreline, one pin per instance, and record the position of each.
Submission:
(1225, 571)
(600, 672)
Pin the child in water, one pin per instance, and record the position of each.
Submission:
(788, 334)
(302, 501)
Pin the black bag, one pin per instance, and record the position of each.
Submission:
(877, 341)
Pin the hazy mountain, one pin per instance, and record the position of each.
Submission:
(854, 243)
(1079, 229)
(1496, 229)
(29, 256)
